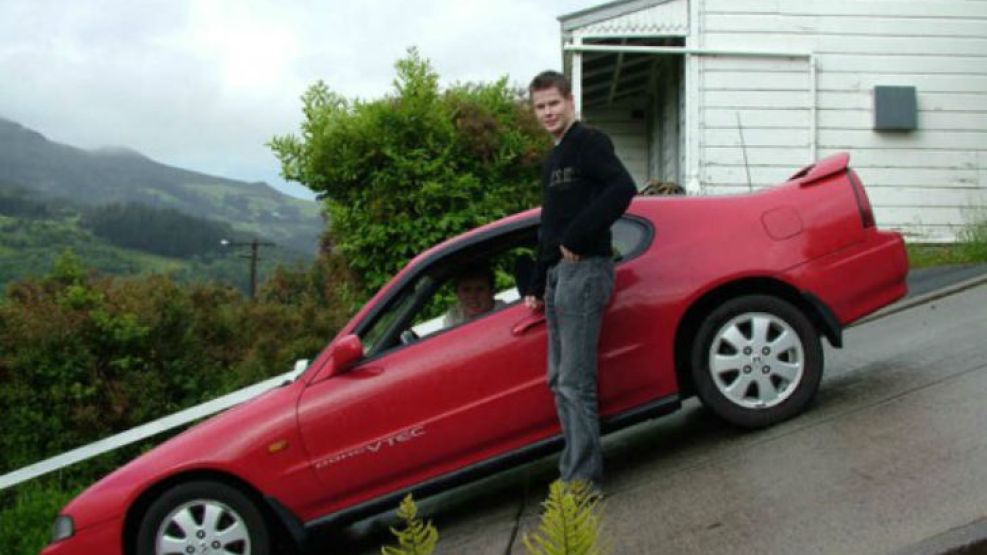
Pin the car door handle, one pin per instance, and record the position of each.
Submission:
(528, 323)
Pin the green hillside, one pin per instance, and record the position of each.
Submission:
(35, 231)
(121, 176)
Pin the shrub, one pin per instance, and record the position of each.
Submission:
(84, 356)
(402, 173)
(27, 514)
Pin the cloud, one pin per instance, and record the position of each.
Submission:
(205, 85)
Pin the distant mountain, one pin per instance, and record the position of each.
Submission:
(120, 175)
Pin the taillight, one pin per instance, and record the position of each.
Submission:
(863, 203)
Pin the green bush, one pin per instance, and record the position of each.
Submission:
(27, 515)
(404, 172)
(164, 231)
(84, 356)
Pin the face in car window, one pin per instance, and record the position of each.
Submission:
(475, 296)
(474, 289)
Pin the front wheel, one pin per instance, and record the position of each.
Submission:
(203, 517)
(757, 360)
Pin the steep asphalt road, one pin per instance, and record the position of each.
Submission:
(893, 452)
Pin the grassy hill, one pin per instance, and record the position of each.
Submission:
(115, 175)
(34, 231)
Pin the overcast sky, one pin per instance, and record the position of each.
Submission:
(204, 84)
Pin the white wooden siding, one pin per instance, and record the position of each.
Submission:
(667, 148)
(928, 182)
(629, 134)
(769, 99)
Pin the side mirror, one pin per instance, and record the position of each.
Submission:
(344, 353)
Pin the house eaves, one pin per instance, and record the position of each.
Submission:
(606, 13)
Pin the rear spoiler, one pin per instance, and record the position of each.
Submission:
(823, 168)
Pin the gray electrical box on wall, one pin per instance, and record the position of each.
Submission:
(895, 109)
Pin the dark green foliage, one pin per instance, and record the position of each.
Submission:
(404, 172)
(17, 202)
(34, 230)
(163, 231)
(28, 247)
(27, 514)
(84, 356)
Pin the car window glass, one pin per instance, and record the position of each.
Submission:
(427, 326)
(629, 238)
(372, 338)
(419, 309)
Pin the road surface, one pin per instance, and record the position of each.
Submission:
(892, 453)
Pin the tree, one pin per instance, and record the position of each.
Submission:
(402, 173)
(163, 231)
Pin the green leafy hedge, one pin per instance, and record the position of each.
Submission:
(85, 356)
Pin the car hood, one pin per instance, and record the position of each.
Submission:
(224, 443)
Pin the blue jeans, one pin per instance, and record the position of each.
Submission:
(576, 295)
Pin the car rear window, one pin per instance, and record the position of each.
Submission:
(630, 237)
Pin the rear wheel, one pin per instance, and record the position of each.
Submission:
(203, 517)
(756, 361)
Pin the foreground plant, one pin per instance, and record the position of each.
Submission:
(570, 523)
(417, 538)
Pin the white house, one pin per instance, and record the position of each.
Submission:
(725, 95)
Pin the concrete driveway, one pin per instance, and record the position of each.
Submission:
(892, 456)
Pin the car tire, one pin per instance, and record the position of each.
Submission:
(203, 514)
(756, 361)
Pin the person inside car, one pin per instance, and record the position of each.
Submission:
(474, 287)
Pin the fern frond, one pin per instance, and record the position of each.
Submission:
(418, 537)
(570, 523)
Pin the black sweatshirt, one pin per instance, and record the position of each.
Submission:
(585, 189)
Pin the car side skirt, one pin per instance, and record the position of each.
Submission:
(654, 409)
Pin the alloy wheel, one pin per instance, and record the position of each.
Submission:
(200, 527)
(756, 360)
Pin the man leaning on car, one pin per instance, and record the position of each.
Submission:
(585, 188)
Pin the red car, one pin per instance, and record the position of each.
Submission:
(723, 297)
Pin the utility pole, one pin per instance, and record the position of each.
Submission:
(254, 255)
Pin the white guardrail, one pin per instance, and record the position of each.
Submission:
(145, 431)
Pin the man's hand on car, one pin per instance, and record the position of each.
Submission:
(533, 302)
